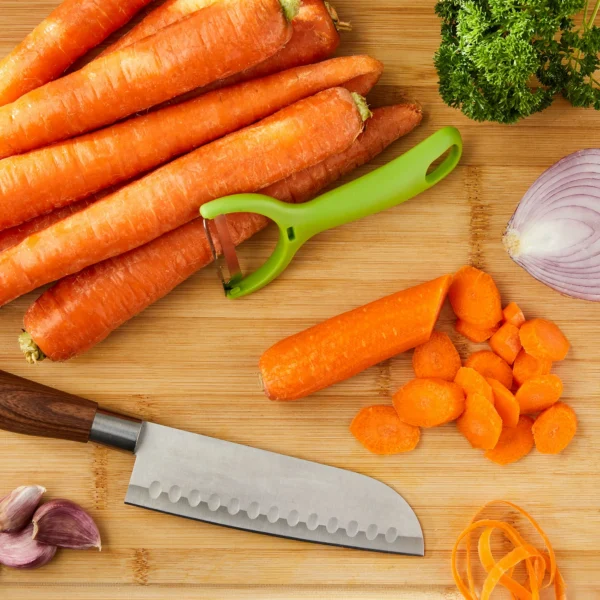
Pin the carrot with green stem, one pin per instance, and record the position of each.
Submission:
(73, 28)
(210, 44)
(37, 182)
(293, 139)
(64, 321)
(436, 358)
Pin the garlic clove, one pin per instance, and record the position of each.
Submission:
(20, 551)
(18, 507)
(65, 524)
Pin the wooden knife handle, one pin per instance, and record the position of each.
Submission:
(33, 409)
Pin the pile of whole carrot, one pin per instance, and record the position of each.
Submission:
(103, 170)
(495, 397)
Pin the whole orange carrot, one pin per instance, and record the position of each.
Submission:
(347, 344)
(64, 320)
(42, 180)
(210, 44)
(58, 41)
(295, 138)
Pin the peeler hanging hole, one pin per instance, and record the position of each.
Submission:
(291, 234)
(442, 165)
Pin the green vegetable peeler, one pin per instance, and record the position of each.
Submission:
(398, 181)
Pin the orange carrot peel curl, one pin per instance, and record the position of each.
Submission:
(540, 564)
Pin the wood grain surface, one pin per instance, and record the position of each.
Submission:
(190, 361)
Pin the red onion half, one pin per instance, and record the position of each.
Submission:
(555, 231)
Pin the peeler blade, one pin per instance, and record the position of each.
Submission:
(226, 259)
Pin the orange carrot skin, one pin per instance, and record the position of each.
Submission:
(473, 333)
(437, 358)
(543, 339)
(380, 431)
(322, 125)
(64, 320)
(491, 365)
(514, 443)
(539, 393)
(554, 429)
(513, 314)
(480, 423)
(58, 41)
(175, 60)
(37, 182)
(473, 382)
(429, 402)
(505, 403)
(347, 344)
(526, 366)
(506, 343)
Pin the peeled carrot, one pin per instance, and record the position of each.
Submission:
(475, 298)
(64, 321)
(473, 382)
(380, 431)
(210, 44)
(506, 343)
(543, 339)
(513, 314)
(505, 403)
(554, 429)
(491, 365)
(436, 358)
(539, 393)
(321, 125)
(473, 333)
(429, 402)
(58, 41)
(514, 443)
(480, 423)
(527, 366)
(39, 181)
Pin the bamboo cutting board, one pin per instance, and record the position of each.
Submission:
(190, 362)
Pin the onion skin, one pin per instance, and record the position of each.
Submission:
(554, 233)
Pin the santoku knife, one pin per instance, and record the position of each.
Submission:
(220, 482)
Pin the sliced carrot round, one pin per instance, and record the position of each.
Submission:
(526, 366)
(491, 365)
(539, 393)
(506, 343)
(475, 298)
(514, 443)
(513, 314)
(380, 431)
(436, 358)
(505, 403)
(554, 429)
(480, 423)
(473, 382)
(473, 333)
(543, 339)
(429, 402)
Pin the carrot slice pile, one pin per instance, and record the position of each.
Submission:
(473, 382)
(379, 430)
(514, 443)
(473, 333)
(539, 393)
(437, 358)
(505, 403)
(491, 365)
(506, 343)
(543, 339)
(480, 423)
(554, 429)
(527, 366)
(513, 314)
(542, 570)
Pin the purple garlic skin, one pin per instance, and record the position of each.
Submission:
(65, 524)
(20, 551)
(18, 507)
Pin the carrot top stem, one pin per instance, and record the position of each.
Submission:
(291, 8)
(339, 24)
(33, 353)
(363, 106)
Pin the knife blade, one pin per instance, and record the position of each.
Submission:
(216, 481)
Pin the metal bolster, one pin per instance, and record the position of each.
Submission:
(116, 431)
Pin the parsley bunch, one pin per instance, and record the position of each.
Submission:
(503, 60)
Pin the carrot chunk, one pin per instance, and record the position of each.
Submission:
(514, 443)
(473, 333)
(513, 314)
(429, 402)
(539, 393)
(491, 365)
(506, 343)
(527, 366)
(543, 339)
(480, 423)
(436, 358)
(380, 430)
(473, 382)
(505, 403)
(475, 298)
(554, 429)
